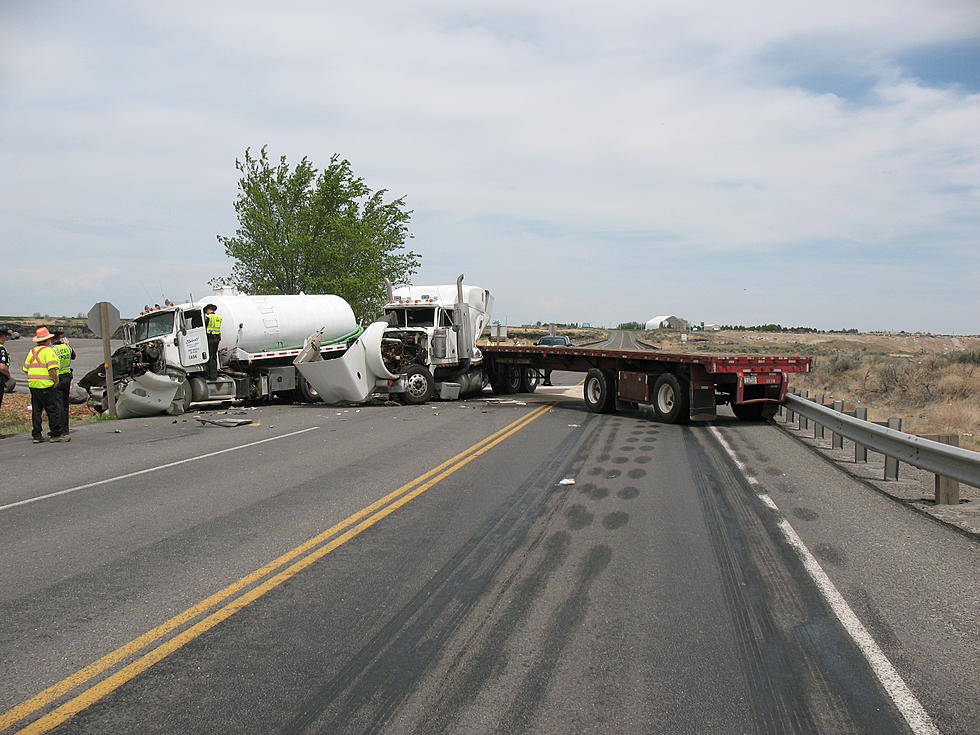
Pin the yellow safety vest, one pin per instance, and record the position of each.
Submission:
(64, 358)
(214, 324)
(38, 364)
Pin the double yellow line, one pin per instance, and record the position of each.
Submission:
(285, 567)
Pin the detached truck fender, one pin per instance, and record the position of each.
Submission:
(353, 376)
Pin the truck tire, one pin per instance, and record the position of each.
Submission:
(671, 399)
(182, 399)
(419, 385)
(530, 379)
(748, 411)
(600, 391)
(506, 380)
(304, 391)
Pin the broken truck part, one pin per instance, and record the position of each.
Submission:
(163, 366)
(424, 346)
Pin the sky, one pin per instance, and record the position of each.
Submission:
(763, 161)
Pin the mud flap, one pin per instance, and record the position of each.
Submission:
(703, 404)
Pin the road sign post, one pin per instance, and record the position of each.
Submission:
(103, 320)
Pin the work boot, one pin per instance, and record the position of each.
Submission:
(62, 438)
(37, 440)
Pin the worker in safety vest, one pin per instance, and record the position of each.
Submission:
(4, 363)
(212, 326)
(65, 355)
(41, 366)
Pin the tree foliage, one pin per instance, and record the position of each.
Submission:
(316, 232)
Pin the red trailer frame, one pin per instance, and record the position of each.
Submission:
(678, 386)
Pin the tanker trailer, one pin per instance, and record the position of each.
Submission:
(163, 366)
(424, 346)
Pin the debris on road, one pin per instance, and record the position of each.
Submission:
(225, 423)
(566, 481)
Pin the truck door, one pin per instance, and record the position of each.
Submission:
(452, 337)
(192, 342)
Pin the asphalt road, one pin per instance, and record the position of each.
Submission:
(425, 570)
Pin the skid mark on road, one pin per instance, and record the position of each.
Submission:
(897, 690)
(249, 588)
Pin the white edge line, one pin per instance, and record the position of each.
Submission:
(906, 702)
(152, 469)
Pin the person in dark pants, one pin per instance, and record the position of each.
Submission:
(41, 366)
(4, 362)
(65, 355)
(212, 326)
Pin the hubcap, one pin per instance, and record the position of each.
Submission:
(595, 390)
(417, 385)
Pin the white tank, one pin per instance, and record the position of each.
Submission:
(264, 323)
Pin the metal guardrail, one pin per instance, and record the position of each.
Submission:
(948, 461)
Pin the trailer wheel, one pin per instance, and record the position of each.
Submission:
(304, 391)
(182, 399)
(530, 379)
(670, 399)
(600, 394)
(419, 385)
(748, 411)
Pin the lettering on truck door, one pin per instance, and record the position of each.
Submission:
(192, 342)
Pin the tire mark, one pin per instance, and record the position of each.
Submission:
(362, 696)
(564, 623)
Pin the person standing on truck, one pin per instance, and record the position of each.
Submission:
(65, 355)
(212, 326)
(4, 362)
(41, 366)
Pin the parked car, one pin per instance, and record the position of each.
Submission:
(555, 340)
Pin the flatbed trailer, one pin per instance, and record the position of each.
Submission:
(679, 387)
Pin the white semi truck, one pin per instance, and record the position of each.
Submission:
(424, 346)
(163, 366)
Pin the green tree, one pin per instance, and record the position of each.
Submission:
(316, 232)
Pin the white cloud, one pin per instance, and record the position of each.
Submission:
(591, 123)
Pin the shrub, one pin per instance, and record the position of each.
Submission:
(841, 362)
(971, 357)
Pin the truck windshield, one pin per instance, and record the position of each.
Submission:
(420, 317)
(154, 325)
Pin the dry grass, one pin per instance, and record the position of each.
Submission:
(15, 414)
(915, 377)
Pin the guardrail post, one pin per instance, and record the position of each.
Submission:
(891, 464)
(860, 453)
(804, 421)
(817, 426)
(947, 490)
(836, 440)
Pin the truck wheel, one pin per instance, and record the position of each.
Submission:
(418, 385)
(304, 391)
(670, 399)
(600, 393)
(530, 379)
(506, 380)
(748, 411)
(182, 399)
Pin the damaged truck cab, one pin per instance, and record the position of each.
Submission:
(163, 366)
(423, 346)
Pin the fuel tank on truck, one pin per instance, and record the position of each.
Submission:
(262, 323)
